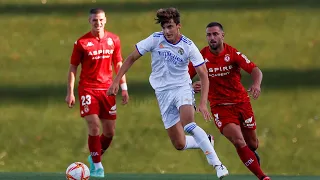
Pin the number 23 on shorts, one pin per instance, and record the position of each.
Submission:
(85, 100)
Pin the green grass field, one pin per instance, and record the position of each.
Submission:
(40, 134)
(55, 176)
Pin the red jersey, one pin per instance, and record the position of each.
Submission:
(96, 58)
(224, 75)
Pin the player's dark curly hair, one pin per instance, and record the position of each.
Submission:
(165, 15)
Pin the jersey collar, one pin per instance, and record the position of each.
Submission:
(104, 37)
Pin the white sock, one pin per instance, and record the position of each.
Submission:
(191, 143)
(98, 165)
(202, 140)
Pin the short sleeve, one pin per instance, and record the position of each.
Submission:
(77, 54)
(244, 62)
(146, 45)
(195, 56)
(117, 57)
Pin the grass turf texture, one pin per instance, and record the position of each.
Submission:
(55, 176)
(40, 134)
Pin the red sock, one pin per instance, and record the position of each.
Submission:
(250, 161)
(94, 147)
(105, 143)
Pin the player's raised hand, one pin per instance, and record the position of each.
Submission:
(196, 86)
(255, 91)
(70, 100)
(204, 111)
(113, 89)
(125, 97)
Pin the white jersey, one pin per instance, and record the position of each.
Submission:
(169, 61)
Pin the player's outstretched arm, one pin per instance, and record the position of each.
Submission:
(135, 55)
(203, 75)
(255, 88)
(70, 98)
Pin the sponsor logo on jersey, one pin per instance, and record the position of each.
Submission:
(170, 57)
(100, 51)
(220, 71)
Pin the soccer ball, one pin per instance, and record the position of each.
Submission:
(77, 171)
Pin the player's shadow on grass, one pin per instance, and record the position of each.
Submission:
(280, 79)
(286, 79)
(16, 93)
(146, 6)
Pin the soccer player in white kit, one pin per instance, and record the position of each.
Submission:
(170, 54)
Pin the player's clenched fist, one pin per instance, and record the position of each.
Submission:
(70, 100)
(113, 89)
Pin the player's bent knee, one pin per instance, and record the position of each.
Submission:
(109, 134)
(179, 146)
(178, 143)
(93, 127)
(238, 142)
(94, 130)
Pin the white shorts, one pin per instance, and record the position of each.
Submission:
(169, 102)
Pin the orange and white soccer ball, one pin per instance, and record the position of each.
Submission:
(77, 171)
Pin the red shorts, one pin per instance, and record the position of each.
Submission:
(97, 102)
(240, 114)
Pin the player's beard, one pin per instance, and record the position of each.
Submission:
(214, 46)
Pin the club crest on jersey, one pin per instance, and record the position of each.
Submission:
(227, 58)
(86, 109)
(109, 42)
(161, 46)
(181, 51)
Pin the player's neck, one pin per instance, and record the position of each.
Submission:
(217, 51)
(177, 39)
(98, 34)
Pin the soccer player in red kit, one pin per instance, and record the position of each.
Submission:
(229, 100)
(97, 51)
